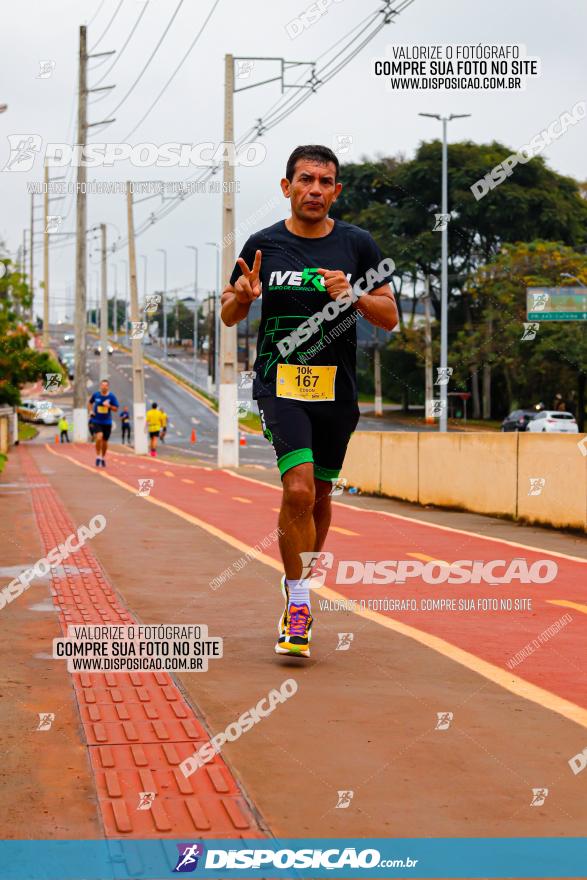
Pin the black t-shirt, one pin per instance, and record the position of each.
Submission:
(292, 291)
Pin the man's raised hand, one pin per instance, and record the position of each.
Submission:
(248, 286)
(335, 282)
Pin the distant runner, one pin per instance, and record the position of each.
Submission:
(305, 372)
(153, 425)
(125, 423)
(101, 405)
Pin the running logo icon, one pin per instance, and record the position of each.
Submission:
(310, 560)
(530, 331)
(539, 795)
(23, 151)
(444, 719)
(187, 860)
(344, 800)
(46, 719)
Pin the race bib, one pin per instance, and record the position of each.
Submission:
(101, 408)
(305, 383)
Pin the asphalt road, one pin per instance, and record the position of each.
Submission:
(185, 412)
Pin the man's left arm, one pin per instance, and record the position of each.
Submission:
(113, 403)
(377, 306)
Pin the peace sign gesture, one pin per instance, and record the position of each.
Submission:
(248, 286)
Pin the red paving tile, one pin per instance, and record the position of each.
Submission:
(137, 726)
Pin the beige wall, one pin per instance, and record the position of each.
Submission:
(556, 459)
(484, 472)
(4, 434)
(399, 465)
(475, 471)
(362, 464)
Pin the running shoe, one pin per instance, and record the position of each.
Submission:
(103, 462)
(297, 632)
(283, 619)
(98, 460)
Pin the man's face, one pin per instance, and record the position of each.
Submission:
(104, 386)
(312, 190)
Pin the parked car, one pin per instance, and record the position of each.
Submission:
(554, 422)
(69, 337)
(63, 352)
(518, 420)
(41, 411)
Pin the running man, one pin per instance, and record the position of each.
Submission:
(101, 405)
(305, 384)
(125, 423)
(153, 426)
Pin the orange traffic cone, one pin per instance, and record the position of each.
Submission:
(194, 437)
(243, 440)
(57, 438)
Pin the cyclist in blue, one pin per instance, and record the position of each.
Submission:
(101, 405)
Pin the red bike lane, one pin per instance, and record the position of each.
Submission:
(243, 511)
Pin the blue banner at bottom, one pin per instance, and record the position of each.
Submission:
(301, 858)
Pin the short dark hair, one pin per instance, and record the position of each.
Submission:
(315, 152)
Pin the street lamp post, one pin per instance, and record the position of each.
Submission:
(192, 247)
(125, 299)
(215, 244)
(115, 305)
(443, 418)
(164, 252)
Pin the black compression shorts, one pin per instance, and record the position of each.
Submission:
(104, 430)
(309, 432)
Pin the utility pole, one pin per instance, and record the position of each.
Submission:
(377, 375)
(115, 305)
(226, 387)
(46, 262)
(193, 248)
(428, 377)
(138, 377)
(80, 415)
(103, 306)
(31, 256)
(216, 323)
(164, 302)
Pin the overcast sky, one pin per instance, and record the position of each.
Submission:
(353, 105)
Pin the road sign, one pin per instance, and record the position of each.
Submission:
(556, 303)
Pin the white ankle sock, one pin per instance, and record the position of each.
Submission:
(299, 592)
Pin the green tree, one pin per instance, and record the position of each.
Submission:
(396, 200)
(534, 370)
(19, 363)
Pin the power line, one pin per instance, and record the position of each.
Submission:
(127, 41)
(177, 69)
(116, 11)
(96, 13)
(384, 14)
(150, 58)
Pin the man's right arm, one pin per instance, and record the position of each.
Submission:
(236, 299)
(232, 310)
